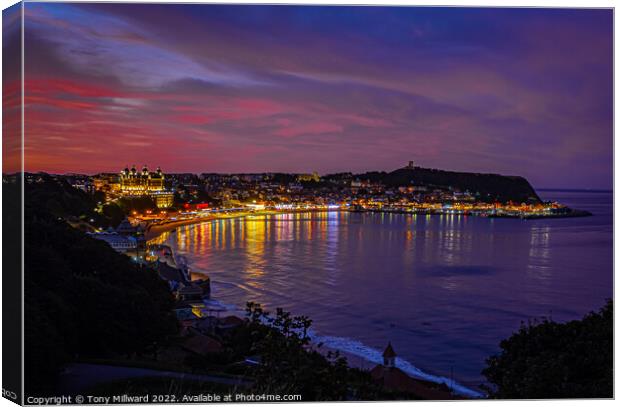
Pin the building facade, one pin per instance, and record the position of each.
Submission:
(134, 183)
(120, 243)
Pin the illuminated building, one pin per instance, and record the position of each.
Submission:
(120, 243)
(309, 177)
(163, 199)
(107, 183)
(135, 184)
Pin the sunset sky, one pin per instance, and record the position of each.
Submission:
(197, 88)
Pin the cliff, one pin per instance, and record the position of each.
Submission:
(487, 187)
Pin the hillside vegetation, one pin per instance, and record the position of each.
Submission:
(486, 187)
(547, 359)
(82, 299)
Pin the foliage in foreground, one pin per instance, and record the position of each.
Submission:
(82, 299)
(556, 360)
(290, 366)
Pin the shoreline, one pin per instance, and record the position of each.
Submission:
(354, 359)
(362, 356)
(157, 230)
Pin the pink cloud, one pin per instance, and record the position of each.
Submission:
(309, 128)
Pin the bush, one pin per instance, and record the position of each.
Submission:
(553, 360)
(83, 299)
(289, 366)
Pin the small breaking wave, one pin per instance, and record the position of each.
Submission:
(221, 305)
(357, 348)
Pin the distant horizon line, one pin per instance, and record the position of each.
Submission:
(547, 189)
(274, 172)
(595, 190)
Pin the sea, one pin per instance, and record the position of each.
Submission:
(443, 289)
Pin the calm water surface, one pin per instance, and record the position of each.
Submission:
(443, 289)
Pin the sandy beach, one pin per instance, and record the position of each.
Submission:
(156, 230)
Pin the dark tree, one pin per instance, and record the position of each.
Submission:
(138, 204)
(113, 213)
(290, 366)
(556, 360)
(83, 299)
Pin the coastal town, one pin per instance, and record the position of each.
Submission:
(193, 197)
(208, 347)
(147, 204)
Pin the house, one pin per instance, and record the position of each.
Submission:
(190, 294)
(393, 378)
(207, 324)
(204, 283)
(120, 243)
(230, 322)
(169, 273)
(201, 344)
(125, 228)
(186, 318)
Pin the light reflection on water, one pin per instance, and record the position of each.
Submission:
(444, 289)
